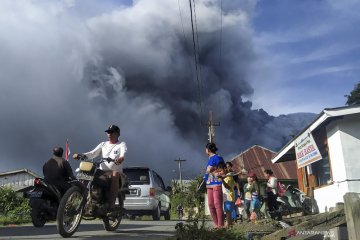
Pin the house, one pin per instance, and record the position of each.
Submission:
(256, 159)
(327, 156)
(19, 180)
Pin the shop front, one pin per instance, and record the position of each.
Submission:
(327, 155)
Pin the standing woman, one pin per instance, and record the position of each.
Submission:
(271, 191)
(214, 186)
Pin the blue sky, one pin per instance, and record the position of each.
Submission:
(310, 50)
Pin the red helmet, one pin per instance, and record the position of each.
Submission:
(252, 175)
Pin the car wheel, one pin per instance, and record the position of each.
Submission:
(167, 214)
(156, 214)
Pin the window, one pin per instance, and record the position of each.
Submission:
(321, 169)
(159, 181)
(137, 176)
(162, 183)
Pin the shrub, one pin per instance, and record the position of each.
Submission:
(189, 198)
(195, 230)
(13, 208)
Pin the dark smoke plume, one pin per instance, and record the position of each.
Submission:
(69, 75)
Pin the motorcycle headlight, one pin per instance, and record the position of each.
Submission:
(86, 166)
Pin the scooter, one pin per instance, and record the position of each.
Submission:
(44, 200)
(293, 201)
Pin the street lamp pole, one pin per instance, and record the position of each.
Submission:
(180, 170)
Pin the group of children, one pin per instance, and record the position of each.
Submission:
(251, 195)
(220, 186)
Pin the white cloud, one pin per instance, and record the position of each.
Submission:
(325, 53)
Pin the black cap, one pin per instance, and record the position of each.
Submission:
(113, 128)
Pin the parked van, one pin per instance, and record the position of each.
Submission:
(148, 195)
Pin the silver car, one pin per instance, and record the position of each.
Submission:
(148, 195)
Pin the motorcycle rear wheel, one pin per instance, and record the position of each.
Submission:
(111, 224)
(37, 219)
(69, 212)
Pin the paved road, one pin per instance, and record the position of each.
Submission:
(128, 230)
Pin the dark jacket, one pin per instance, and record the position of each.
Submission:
(57, 171)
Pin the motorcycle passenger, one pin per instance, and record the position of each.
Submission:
(57, 171)
(271, 190)
(115, 150)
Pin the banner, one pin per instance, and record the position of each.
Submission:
(306, 150)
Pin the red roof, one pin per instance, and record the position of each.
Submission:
(257, 158)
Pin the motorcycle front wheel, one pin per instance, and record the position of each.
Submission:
(69, 213)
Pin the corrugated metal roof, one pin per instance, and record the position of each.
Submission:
(25, 170)
(257, 158)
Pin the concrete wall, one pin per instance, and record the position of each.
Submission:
(327, 197)
(336, 154)
(350, 137)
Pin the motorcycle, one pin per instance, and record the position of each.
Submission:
(90, 200)
(293, 201)
(44, 200)
(180, 211)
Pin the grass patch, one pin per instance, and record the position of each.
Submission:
(196, 229)
(14, 219)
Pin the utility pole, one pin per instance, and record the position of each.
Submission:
(180, 173)
(211, 128)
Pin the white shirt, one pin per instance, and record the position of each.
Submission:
(107, 149)
(272, 185)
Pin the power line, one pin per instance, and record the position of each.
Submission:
(196, 62)
(182, 24)
(198, 47)
(220, 57)
(190, 66)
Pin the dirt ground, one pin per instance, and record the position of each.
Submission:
(296, 227)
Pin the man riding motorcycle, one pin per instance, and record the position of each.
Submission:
(57, 171)
(115, 150)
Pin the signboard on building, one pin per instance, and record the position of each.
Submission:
(306, 150)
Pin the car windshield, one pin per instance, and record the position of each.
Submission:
(137, 176)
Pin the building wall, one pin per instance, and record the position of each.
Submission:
(327, 197)
(17, 180)
(350, 137)
(344, 151)
(336, 153)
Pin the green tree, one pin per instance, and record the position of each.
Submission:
(188, 197)
(354, 97)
